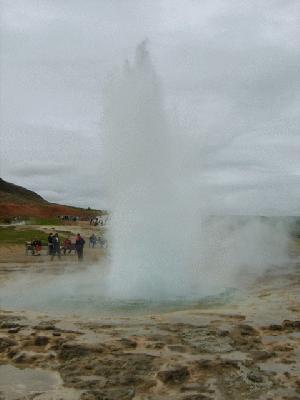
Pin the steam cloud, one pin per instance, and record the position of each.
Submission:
(164, 242)
(167, 240)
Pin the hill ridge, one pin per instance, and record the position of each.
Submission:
(17, 201)
(18, 192)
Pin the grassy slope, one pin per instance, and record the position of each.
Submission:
(11, 235)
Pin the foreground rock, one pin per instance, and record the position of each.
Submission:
(235, 351)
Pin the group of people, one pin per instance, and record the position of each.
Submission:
(54, 246)
(93, 240)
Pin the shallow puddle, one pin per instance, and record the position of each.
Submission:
(86, 295)
(278, 367)
(16, 383)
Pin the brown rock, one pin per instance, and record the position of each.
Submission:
(222, 333)
(291, 324)
(10, 324)
(14, 330)
(6, 343)
(175, 375)
(109, 394)
(275, 327)
(199, 387)
(255, 376)
(45, 326)
(247, 330)
(177, 348)
(197, 396)
(228, 364)
(70, 351)
(128, 343)
(206, 364)
(155, 345)
(41, 341)
(283, 347)
(261, 355)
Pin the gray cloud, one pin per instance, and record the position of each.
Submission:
(42, 169)
(231, 85)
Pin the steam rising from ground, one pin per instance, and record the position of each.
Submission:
(166, 240)
(164, 243)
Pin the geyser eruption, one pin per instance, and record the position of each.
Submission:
(164, 244)
(166, 241)
(149, 253)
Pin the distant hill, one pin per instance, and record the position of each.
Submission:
(16, 201)
(12, 192)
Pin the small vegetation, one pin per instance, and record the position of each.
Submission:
(44, 221)
(12, 235)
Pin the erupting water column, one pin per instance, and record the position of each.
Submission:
(148, 247)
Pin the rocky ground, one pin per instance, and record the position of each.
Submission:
(246, 348)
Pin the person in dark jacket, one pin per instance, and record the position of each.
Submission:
(55, 246)
(50, 237)
(79, 246)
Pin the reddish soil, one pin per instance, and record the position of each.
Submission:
(17, 201)
(41, 210)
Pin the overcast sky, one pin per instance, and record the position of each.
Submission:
(230, 70)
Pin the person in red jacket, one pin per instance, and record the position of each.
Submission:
(67, 246)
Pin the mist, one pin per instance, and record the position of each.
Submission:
(231, 252)
(171, 235)
(165, 238)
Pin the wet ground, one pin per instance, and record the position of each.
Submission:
(246, 347)
(34, 383)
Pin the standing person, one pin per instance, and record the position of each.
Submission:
(79, 246)
(38, 247)
(67, 246)
(93, 241)
(35, 247)
(55, 246)
(50, 237)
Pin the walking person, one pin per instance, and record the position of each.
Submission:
(79, 246)
(55, 246)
